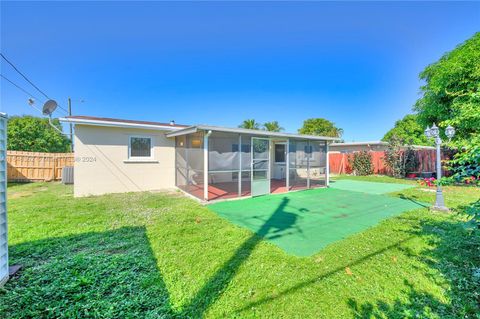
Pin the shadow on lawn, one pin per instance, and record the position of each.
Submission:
(110, 274)
(456, 256)
(413, 308)
(114, 274)
(413, 199)
(280, 220)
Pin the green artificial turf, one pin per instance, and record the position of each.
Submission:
(304, 222)
(368, 187)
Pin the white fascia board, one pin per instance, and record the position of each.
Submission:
(183, 131)
(258, 132)
(119, 124)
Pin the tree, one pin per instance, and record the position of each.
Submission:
(272, 126)
(250, 124)
(34, 134)
(320, 126)
(451, 94)
(399, 157)
(409, 130)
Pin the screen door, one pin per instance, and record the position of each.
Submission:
(260, 166)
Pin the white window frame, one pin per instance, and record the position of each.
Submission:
(140, 158)
(309, 154)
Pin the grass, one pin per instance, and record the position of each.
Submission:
(161, 255)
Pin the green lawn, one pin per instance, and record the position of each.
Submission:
(157, 255)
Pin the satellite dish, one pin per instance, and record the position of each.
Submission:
(49, 107)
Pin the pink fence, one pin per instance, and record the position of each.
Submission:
(339, 163)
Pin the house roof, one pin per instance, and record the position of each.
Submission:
(193, 129)
(176, 129)
(106, 121)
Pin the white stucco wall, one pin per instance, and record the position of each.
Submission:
(102, 164)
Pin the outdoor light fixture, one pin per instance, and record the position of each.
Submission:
(450, 132)
(434, 132)
(427, 132)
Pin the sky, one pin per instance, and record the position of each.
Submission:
(354, 63)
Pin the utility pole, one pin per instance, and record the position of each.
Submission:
(71, 127)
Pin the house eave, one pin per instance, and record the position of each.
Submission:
(196, 128)
(118, 124)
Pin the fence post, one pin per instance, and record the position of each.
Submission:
(54, 167)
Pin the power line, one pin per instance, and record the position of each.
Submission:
(23, 90)
(28, 80)
(24, 76)
(18, 87)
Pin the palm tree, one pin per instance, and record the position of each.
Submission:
(272, 126)
(250, 124)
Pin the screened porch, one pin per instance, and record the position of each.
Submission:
(212, 164)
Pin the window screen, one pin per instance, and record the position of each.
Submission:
(279, 153)
(140, 146)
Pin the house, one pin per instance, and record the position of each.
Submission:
(207, 162)
(351, 147)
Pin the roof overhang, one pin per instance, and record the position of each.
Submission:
(96, 122)
(196, 128)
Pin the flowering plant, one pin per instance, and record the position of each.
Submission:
(470, 180)
(430, 181)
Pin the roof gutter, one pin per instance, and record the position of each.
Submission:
(118, 124)
(183, 131)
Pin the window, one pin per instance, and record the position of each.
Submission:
(308, 151)
(140, 147)
(279, 153)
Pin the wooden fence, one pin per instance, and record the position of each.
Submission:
(36, 166)
(339, 163)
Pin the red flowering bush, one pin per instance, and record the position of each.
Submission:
(470, 180)
(430, 182)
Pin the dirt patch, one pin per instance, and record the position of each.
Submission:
(20, 194)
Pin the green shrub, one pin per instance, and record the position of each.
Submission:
(465, 165)
(361, 163)
(400, 158)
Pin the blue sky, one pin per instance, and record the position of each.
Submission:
(354, 63)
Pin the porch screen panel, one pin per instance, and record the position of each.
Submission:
(195, 164)
(224, 154)
(298, 164)
(246, 157)
(189, 163)
(181, 162)
(317, 163)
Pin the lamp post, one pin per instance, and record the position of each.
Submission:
(434, 133)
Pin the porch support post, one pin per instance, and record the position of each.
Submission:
(327, 168)
(205, 164)
(240, 165)
(309, 150)
(287, 166)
